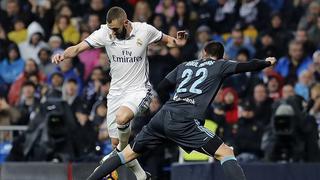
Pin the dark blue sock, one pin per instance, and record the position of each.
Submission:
(109, 165)
(232, 169)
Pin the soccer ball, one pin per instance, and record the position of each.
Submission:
(112, 176)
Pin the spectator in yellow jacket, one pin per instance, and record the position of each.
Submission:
(64, 27)
(20, 33)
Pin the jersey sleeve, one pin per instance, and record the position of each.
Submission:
(97, 38)
(228, 67)
(172, 76)
(153, 35)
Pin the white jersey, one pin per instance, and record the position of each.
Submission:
(128, 58)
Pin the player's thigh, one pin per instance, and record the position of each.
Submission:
(212, 147)
(137, 101)
(151, 136)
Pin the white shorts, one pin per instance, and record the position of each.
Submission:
(137, 101)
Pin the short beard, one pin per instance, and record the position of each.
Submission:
(122, 35)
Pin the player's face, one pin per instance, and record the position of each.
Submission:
(118, 28)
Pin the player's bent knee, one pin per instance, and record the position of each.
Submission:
(122, 119)
(225, 150)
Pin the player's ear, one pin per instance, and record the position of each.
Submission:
(126, 22)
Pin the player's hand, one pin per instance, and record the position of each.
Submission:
(272, 60)
(182, 37)
(57, 58)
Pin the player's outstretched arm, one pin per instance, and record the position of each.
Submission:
(180, 41)
(255, 65)
(70, 52)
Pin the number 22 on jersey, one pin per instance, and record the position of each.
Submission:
(202, 73)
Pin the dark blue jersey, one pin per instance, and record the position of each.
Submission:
(197, 83)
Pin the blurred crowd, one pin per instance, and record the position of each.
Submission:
(273, 115)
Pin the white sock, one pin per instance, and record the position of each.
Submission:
(135, 167)
(124, 134)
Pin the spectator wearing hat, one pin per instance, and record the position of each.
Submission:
(55, 43)
(203, 35)
(274, 86)
(248, 134)
(31, 47)
(11, 66)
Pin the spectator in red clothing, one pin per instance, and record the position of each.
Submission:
(274, 86)
(230, 101)
(30, 68)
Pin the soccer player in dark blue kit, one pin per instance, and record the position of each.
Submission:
(181, 118)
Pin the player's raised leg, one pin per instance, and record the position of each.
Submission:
(113, 162)
(215, 147)
(123, 117)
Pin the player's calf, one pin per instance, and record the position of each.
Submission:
(229, 163)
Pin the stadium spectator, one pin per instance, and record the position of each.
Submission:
(310, 16)
(28, 103)
(89, 58)
(243, 83)
(69, 94)
(200, 12)
(159, 22)
(302, 86)
(262, 104)
(11, 66)
(31, 47)
(64, 27)
(45, 62)
(203, 35)
(55, 43)
(167, 8)
(236, 42)
(91, 92)
(315, 67)
(314, 103)
(224, 16)
(314, 33)
(181, 17)
(67, 69)
(30, 68)
(266, 46)
(98, 7)
(291, 66)
(254, 12)
(287, 91)
(279, 33)
(274, 86)
(142, 12)
(248, 134)
(55, 90)
(230, 101)
(19, 33)
(301, 36)
(93, 22)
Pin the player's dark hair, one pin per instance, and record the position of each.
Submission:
(214, 49)
(116, 13)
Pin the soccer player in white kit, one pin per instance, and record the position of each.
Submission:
(126, 45)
